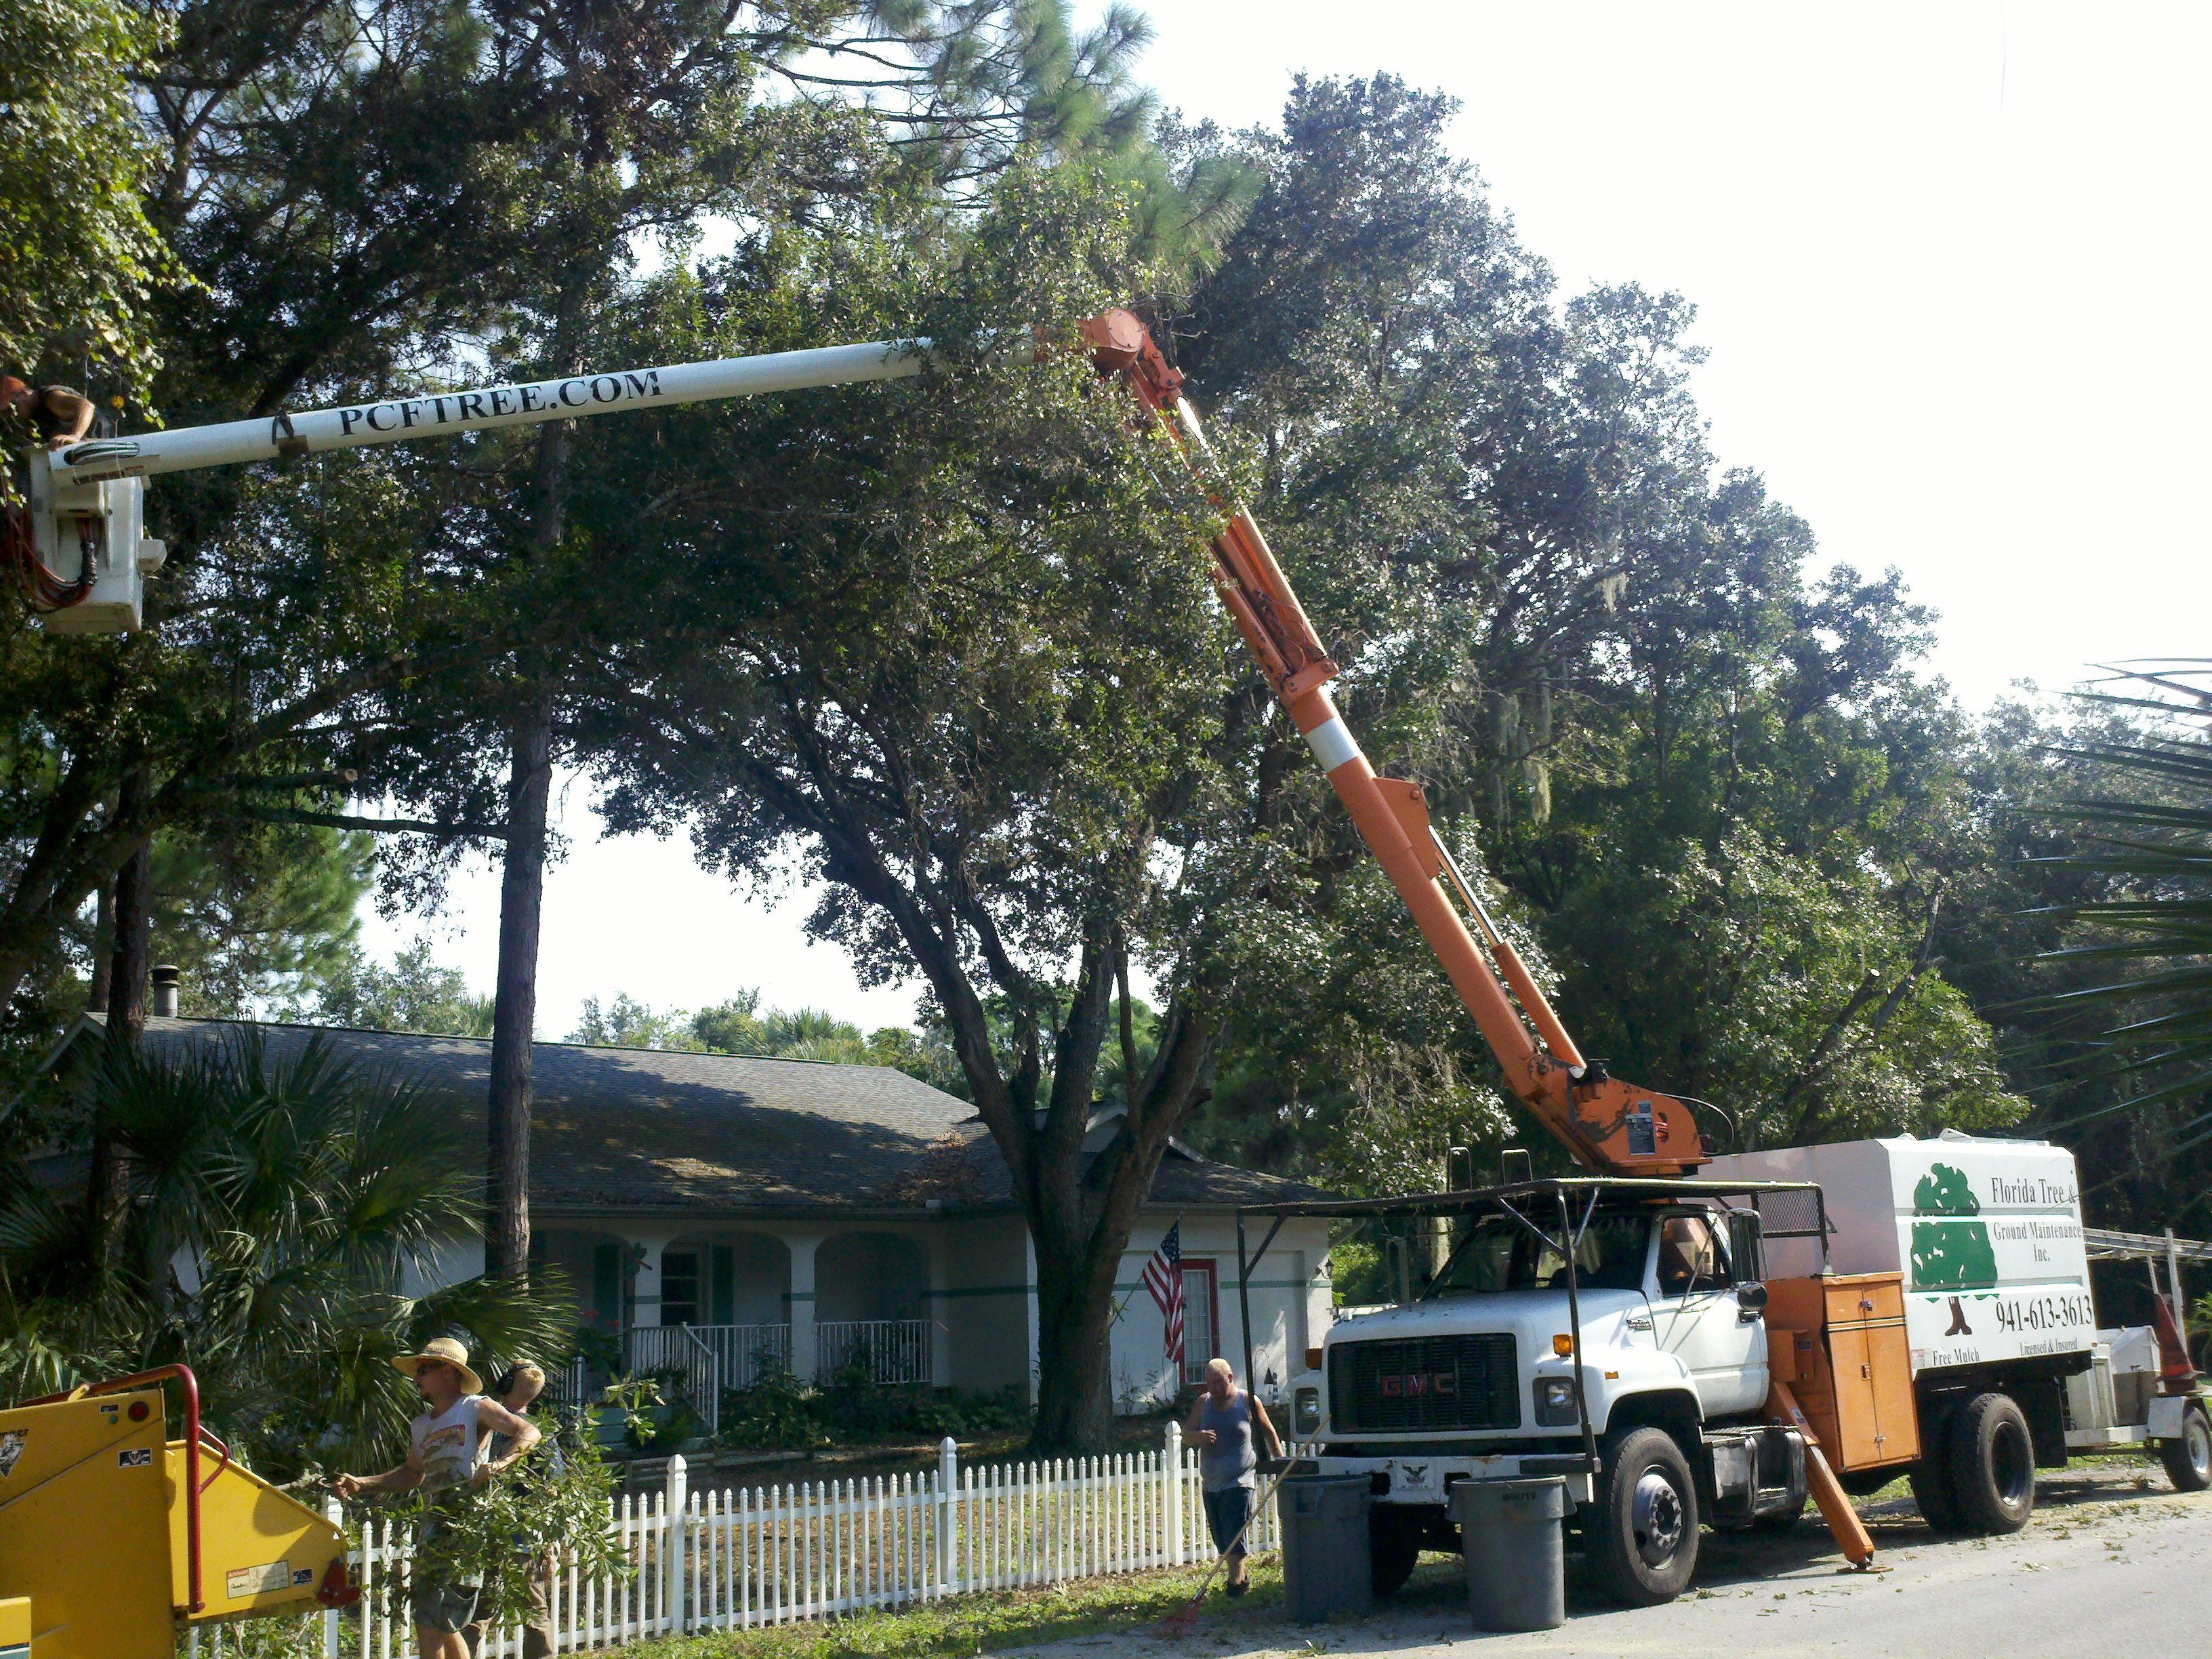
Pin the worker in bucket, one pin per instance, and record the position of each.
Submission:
(59, 416)
(1222, 1424)
(445, 1458)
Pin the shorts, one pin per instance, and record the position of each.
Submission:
(1226, 1512)
(441, 1606)
(438, 1597)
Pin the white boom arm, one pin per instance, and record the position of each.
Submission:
(84, 524)
(442, 413)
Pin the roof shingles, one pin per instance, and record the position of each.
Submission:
(649, 1129)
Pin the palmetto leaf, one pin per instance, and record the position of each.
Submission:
(2153, 925)
(299, 1192)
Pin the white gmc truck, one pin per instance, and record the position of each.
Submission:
(1950, 1337)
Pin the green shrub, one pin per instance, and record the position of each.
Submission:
(600, 1351)
(776, 1413)
(968, 1416)
(857, 1408)
(780, 1413)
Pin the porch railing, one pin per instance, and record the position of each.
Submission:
(707, 1359)
(571, 1386)
(746, 1351)
(741, 1351)
(893, 1350)
(683, 1350)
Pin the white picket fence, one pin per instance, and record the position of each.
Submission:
(716, 1560)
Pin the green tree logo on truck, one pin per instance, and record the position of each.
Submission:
(1950, 1254)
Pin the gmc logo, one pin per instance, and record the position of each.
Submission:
(1420, 1385)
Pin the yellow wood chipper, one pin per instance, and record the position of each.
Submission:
(115, 1539)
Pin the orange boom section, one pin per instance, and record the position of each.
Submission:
(1609, 1126)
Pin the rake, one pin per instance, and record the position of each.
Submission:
(1179, 1621)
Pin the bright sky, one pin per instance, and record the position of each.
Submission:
(1949, 264)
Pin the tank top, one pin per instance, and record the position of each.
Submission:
(51, 425)
(446, 1445)
(1230, 1460)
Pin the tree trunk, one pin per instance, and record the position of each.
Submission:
(1075, 1382)
(521, 901)
(52, 883)
(128, 967)
(515, 1014)
(1082, 1229)
(131, 914)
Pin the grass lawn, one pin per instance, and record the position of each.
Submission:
(1129, 1605)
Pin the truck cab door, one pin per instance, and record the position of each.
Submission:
(1701, 1315)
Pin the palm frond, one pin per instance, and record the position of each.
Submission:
(2146, 834)
(283, 1205)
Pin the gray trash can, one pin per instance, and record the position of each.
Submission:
(1517, 1561)
(1325, 1570)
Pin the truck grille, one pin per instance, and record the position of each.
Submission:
(1424, 1382)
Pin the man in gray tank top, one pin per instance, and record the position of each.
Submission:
(1222, 1424)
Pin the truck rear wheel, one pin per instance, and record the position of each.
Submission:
(1642, 1532)
(1394, 1546)
(2188, 1460)
(1992, 1465)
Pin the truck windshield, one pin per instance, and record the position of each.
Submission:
(1501, 1255)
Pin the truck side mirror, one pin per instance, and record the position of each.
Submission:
(1752, 1298)
(1748, 1251)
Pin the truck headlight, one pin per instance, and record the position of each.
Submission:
(1305, 1412)
(1555, 1402)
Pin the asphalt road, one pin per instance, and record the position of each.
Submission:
(2113, 1562)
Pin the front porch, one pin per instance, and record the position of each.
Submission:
(714, 1307)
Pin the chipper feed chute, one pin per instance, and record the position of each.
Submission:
(115, 1538)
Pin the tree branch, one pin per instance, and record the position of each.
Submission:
(351, 821)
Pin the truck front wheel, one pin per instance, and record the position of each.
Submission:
(1394, 1544)
(2188, 1459)
(1642, 1532)
(1992, 1465)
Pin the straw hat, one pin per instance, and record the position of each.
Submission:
(441, 1350)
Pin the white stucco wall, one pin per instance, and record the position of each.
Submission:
(454, 1260)
(983, 1303)
(449, 1262)
(1290, 1295)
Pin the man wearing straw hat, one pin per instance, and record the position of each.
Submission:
(444, 1458)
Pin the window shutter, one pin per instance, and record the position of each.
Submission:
(606, 1286)
(723, 1292)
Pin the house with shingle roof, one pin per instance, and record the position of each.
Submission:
(717, 1212)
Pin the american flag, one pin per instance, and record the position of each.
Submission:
(1164, 1279)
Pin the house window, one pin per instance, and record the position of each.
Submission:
(1199, 1325)
(680, 1287)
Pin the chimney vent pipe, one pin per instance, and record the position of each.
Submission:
(165, 979)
